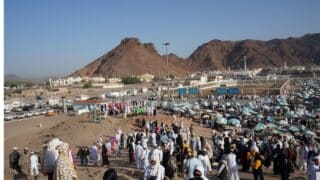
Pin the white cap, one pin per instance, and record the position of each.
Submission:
(15, 148)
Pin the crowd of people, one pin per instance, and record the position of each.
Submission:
(162, 151)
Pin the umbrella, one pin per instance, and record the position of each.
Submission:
(265, 107)
(272, 126)
(310, 133)
(246, 113)
(283, 122)
(231, 110)
(293, 129)
(277, 132)
(310, 115)
(205, 116)
(221, 121)
(234, 122)
(260, 116)
(277, 107)
(286, 108)
(259, 127)
(317, 110)
(270, 118)
(290, 114)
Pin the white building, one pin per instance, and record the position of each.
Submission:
(53, 101)
(96, 79)
(13, 103)
(65, 81)
(146, 77)
(114, 80)
(82, 97)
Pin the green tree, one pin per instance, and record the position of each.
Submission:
(131, 80)
(87, 85)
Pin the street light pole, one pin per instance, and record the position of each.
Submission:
(167, 44)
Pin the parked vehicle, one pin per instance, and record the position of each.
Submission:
(8, 117)
(113, 94)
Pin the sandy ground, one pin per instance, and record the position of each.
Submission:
(79, 131)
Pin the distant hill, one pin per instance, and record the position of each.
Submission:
(131, 57)
(12, 77)
(220, 55)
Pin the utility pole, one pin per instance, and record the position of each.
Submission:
(167, 44)
(245, 63)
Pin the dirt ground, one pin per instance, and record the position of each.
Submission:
(80, 131)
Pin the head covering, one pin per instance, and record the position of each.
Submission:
(15, 148)
(233, 147)
(54, 143)
(201, 169)
(63, 147)
(26, 148)
(194, 154)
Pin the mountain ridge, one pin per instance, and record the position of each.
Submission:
(132, 57)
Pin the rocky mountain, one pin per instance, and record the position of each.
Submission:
(131, 57)
(220, 55)
(12, 77)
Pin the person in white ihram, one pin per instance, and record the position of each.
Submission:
(145, 155)
(34, 161)
(153, 139)
(139, 152)
(154, 170)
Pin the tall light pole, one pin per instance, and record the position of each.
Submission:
(167, 44)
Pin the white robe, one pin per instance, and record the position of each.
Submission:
(34, 165)
(144, 157)
(232, 166)
(153, 139)
(157, 171)
(206, 163)
(139, 151)
(171, 147)
(155, 153)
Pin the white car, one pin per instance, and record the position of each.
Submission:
(36, 113)
(8, 117)
(21, 115)
(29, 114)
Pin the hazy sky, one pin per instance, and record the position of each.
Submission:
(57, 37)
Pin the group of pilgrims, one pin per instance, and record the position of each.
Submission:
(162, 151)
(166, 151)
